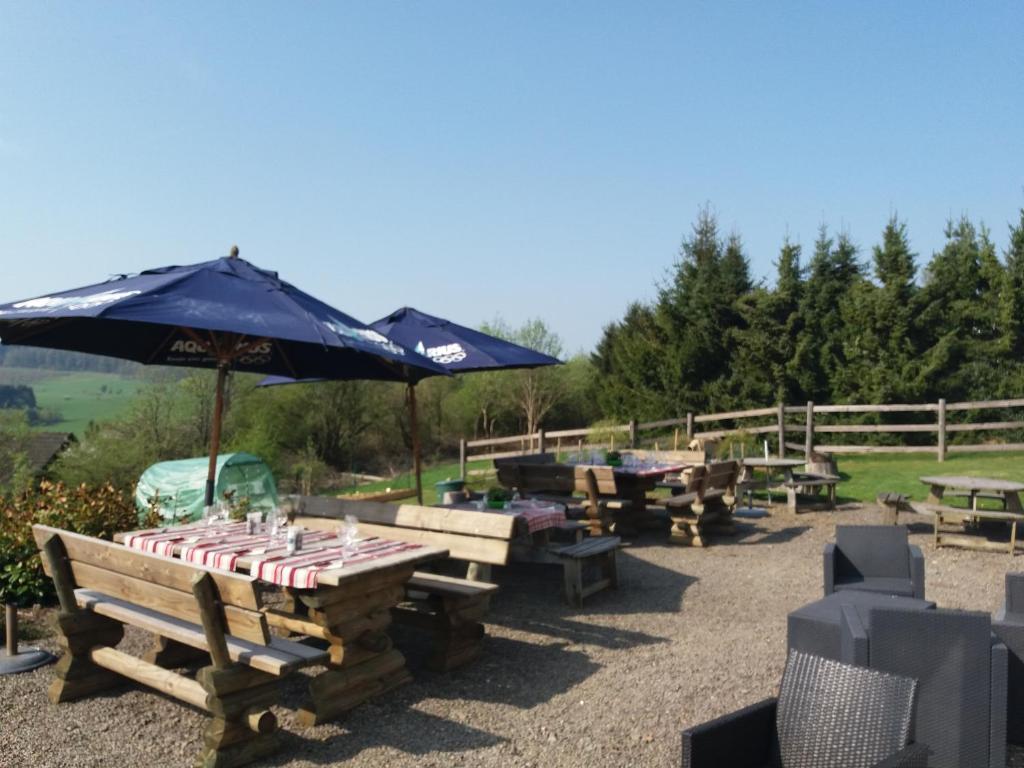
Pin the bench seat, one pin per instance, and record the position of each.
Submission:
(810, 483)
(278, 658)
(596, 554)
(216, 617)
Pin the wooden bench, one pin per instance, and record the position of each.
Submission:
(103, 586)
(809, 484)
(706, 502)
(451, 609)
(597, 552)
(944, 514)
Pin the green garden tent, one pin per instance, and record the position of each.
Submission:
(181, 485)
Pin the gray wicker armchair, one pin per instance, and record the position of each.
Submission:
(960, 668)
(828, 715)
(1009, 628)
(874, 558)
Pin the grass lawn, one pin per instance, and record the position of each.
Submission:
(864, 476)
(78, 397)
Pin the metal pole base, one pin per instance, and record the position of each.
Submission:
(25, 661)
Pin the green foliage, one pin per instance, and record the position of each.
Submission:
(829, 332)
(15, 472)
(98, 511)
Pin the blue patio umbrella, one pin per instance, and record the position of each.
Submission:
(454, 347)
(224, 314)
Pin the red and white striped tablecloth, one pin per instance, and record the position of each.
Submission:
(221, 546)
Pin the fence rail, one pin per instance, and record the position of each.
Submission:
(684, 428)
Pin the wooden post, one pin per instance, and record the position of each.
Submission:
(689, 426)
(218, 415)
(558, 448)
(809, 436)
(942, 429)
(675, 440)
(11, 619)
(540, 441)
(462, 458)
(632, 433)
(782, 431)
(417, 459)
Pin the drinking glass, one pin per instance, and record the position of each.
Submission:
(348, 532)
(274, 518)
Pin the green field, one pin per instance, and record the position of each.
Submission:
(78, 397)
(863, 476)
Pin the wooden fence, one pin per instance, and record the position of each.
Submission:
(775, 422)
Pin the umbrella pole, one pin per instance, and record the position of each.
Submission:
(218, 411)
(415, 428)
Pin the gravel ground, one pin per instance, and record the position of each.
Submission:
(690, 634)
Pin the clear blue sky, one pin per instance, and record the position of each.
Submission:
(477, 159)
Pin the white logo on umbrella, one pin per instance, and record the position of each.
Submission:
(69, 302)
(446, 354)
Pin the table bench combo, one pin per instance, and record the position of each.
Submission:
(339, 595)
(103, 586)
(794, 484)
(972, 489)
(451, 609)
(600, 506)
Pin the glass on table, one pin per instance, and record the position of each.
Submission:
(275, 519)
(348, 533)
(252, 522)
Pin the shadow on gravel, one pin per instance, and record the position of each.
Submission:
(515, 673)
(532, 592)
(752, 535)
(410, 731)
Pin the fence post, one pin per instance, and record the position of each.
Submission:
(632, 433)
(809, 436)
(782, 431)
(540, 441)
(942, 429)
(689, 426)
(462, 458)
(675, 440)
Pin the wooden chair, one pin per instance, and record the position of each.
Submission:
(103, 586)
(707, 501)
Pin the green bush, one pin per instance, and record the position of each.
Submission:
(98, 511)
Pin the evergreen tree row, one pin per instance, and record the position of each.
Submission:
(840, 328)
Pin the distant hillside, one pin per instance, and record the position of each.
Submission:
(57, 360)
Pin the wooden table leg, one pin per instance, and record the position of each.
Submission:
(354, 619)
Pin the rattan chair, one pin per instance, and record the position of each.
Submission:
(827, 715)
(874, 558)
(960, 668)
(1009, 628)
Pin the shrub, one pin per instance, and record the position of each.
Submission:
(91, 510)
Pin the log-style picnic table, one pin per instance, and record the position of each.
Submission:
(972, 489)
(343, 596)
(633, 482)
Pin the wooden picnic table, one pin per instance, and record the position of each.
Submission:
(350, 608)
(792, 483)
(634, 483)
(972, 489)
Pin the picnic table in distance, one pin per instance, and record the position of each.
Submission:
(973, 488)
(347, 598)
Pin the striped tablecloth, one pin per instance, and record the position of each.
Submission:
(537, 514)
(221, 546)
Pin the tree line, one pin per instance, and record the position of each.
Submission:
(836, 326)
